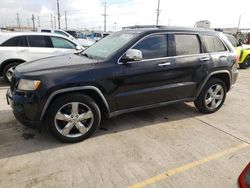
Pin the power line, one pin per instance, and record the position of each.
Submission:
(58, 14)
(158, 13)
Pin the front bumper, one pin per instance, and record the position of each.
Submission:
(25, 110)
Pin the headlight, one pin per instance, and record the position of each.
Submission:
(28, 85)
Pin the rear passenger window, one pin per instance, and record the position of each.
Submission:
(187, 44)
(213, 44)
(153, 47)
(39, 41)
(62, 43)
(16, 41)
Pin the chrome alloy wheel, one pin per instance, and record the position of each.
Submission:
(214, 96)
(74, 119)
(10, 72)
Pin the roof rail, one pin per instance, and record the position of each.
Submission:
(144, 26)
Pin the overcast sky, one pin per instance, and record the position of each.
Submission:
(88, 13)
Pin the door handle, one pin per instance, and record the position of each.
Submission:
(164, 64)
(205, 59)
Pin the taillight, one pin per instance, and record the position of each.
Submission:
(237, 58)
(244, 178)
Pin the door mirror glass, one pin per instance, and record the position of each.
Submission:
(133, 55)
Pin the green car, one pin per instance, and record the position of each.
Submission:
(242, 50)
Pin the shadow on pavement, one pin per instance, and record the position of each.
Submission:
(16, 139)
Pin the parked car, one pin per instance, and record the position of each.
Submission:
(126, 71)
(17, 48)
(242, 50)
(244, 178)
(56, 31)
(95, 36)
(74, 37)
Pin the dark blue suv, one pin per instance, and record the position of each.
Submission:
(129, 70)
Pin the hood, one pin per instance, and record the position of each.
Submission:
(55, 63)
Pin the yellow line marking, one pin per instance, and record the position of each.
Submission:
(188, 166)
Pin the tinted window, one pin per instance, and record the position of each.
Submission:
(62, 43)
(39, 41)
(98, 35)
(213, 44)
(187, 44)
(46, 30)
(16, 41)
(233, 40)
(153, 47)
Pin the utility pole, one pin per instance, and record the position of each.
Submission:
(158, 13)
(105, 17)
(33, 21)
(18, 20)
(66, 23)
(51, 20)
(58, 14)
(38, 21)
(238, 28)
(55, 22)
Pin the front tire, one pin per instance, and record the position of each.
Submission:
(212, 96)
(73, 118)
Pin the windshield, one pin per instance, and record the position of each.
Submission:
(109, 45)
(233, 40)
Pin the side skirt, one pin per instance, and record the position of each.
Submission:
(119, 112)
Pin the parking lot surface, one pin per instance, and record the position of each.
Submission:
(173, 146)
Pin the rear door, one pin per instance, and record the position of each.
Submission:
(217, 49)
(39, 47)
(191, 63)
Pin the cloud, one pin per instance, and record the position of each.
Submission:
(88, 13)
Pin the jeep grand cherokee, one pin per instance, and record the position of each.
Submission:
(129, 70)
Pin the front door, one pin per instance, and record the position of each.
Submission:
(149, 81)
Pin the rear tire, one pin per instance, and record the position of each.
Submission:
(246, 63)
(8, 71)
(73, 118)
(212, 96)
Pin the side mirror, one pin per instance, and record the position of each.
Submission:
(79, 48)
(133, 55)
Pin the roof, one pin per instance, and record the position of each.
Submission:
(7, 35)
(166, 28)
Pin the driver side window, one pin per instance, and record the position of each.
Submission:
(154, 46)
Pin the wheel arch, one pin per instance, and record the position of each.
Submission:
(223, 75)
(8, 61)
(91, 91)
